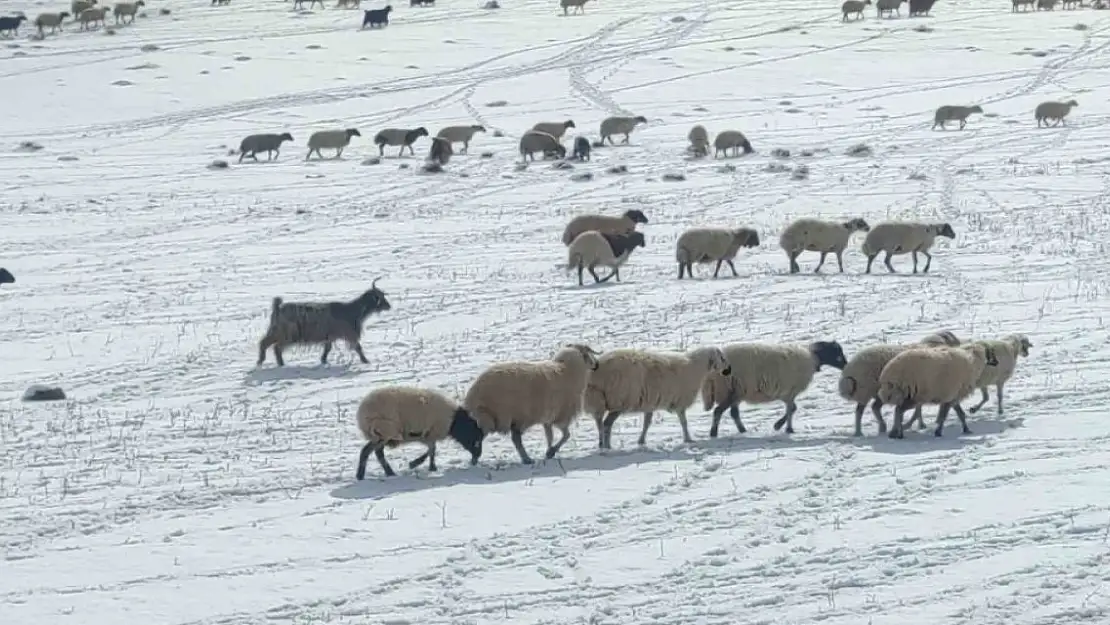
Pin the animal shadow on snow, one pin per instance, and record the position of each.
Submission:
(591, 286)
(923, 441)
(266, 374)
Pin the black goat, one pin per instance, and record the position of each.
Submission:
(6, 277)
(377, 17)
(582, 148)
(305, 323)
(11, 24)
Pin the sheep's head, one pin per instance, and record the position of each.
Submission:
(466, 432)
(388, 8)
(746, 237)
(285, 136)
(353, 132)
(372, 301)
(588, 355)
(635, 215)
(858, 224)
(421, 131)
(976, 109)
(63, 15)
(640, 119)
(569, 124)
(828, 353)
(635, 239)
(561, 150)
(719, 362)
(943, 230)
(140, 3)
(478, 128)
(6, 277)
(1072, 103)
(1019, 341)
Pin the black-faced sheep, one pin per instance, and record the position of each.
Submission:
(77, 7)
(1006, 351)
(440, 152)
(460, 134)
(377, 17)
(52, 20)
(592, 249)
(814, 235)
(92, 16)
(268, 143)
(921, 7)
(603, 223)
(331, 139)
(904, 237)
(699, 141)
(126, 10)
(228, 2)
(707, 245)
(307, 323)
(403, 137)
(581, 149)
(952, 113)
(11, 24)
(422, 3)
(394, 415)
(555, 129)
(6, 276)
(853, 7)
(538, 141)
(889, 7)
(620, 126)
(1046, 111)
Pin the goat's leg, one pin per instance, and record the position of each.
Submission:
(355, 345)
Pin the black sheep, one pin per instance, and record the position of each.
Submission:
(377, 17)
(441, 151)
(11, 24)
(921, 7)
(582, 148)
(6, 277)
(622, 244)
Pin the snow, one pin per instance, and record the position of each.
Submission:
(179, 484)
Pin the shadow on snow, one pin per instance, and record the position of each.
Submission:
(263, 375)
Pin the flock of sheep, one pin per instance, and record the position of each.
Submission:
(85, 12)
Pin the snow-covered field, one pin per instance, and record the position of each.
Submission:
(181, 485)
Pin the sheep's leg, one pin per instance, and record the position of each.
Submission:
(682, 422)
(840, 261)
(263, 345)
(580, 269)
(608, 138)
(429, 455)
(681, 270)
(626, 137)
(896, 430)
(338, 152)
(821, 262)
(999, 393)
(718, 268)
(734, 412)
(355, 345)
(877, 410)
(788, 418)
(517, 437)
(466, 147)
(942, 414)
(327, 350)
(794, 267)
(928, 261)
(871, 259)
(985, 398)
(718, 412)
(920, 418)
(548, 434)
(859, 419)
(594, 273)
(564, 428)
(363, 456)
(886, 261)
(963, 122)
(241, 155)
(733, 268)
(644, 429)
(962, 416)
(379, 453)
(278, 355)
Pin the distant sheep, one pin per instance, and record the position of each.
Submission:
(950, 113)
(581, 149)
(441, 151)
(127, 10)
(555, 129)
(342, 4)
(933, 375)
(578, 5)
(6, 276)
(764, 372)
(904, 237)
(731, 139)
(92, 16)
(460, 134)
(422, 3)
(699, 141)
(814, 235)
(593, 249)
(377, 17)
(1047, 5)
(1053, 110)
(228, 2)
(11, 24)
(853, 7)
(332, 140)
(537, 141)
(268, 143)
(299, 4)
(604, 224)
(1006, 351)
(637, 380)
(390, 416)
(889, 7)
(859, 380)
(921, 7)
(514, 396)
(620, 126)
(77, 7)
(403, 137)
(51, 20)
(1028, 4)
(707, 245)
(306, 323)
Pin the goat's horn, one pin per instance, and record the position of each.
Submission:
(374, 284)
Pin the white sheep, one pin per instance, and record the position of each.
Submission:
(699, 141)
(460, 134)
(77, 7)
(593, 249)
(331, 139)
(403, 137)
(853, 7)
(762, 373)
(619, 126)
(538, 141)
(92, 16)
(1053, 110)
(127, 9)
(1006, 351)
(53, 20)
(393, 415)
(933, 375)
(555, 129)
(707, 245)
(888, 6)
(637, 380)
(604, 223)
(859, 380)
(731, 139)
(904, 237)
(514, 396)
(814, 235)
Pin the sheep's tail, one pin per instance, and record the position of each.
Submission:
(275, 306)
(847, 386)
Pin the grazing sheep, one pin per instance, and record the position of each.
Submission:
(1047, 5)
(921, 7)
(555, 129)
(889, 7)
(579, 5)
(228, 2)
(422, 3)
(1028, 4)
(814, 235)
(853, 7)
(53, 20)
(441, 151)
(268, 143)
(637, 380)
(460, 134)
(393, 415)
(127, 9)
(731, 139)
(514, 396)
(1006, 351)
(342, 4)
(950, 113)
(859, 380)
(6, 276)
(304, 323)
(933, 375)
(699, 141)
(537, 141)
(763, 372)
(377, 17)
(331, 139)
(92, 16)
(403, 137)
(77, 7)
(604, 224)
(619, 126)
(904, 237)
(11, 24)
(299, 4)
(1053, 110)
(592, 249)
(582, 148)
(706, 245)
